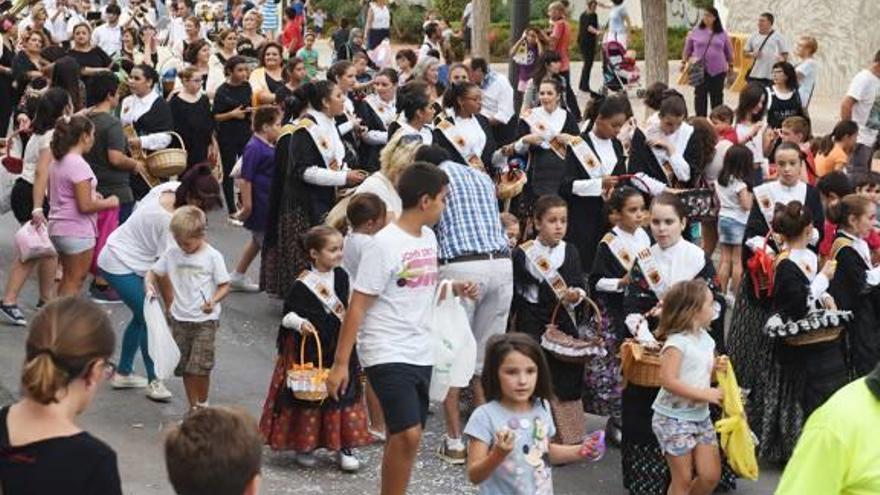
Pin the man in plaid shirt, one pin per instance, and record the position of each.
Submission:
(473, 246)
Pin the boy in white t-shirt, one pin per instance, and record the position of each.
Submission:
(200, 281)
(389, 315)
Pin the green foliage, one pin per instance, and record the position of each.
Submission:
(406, 22)
(449, 9)
(339, 9)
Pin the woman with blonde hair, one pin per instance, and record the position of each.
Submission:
(251, 40)
(67, 357)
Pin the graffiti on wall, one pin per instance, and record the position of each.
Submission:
(682, 13)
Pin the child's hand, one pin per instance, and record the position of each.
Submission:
(504, 442)
(307, 327)
(593, 448)
(721, 364)
(714, 396)
(623, 282)
(150, 291)
(208, 307)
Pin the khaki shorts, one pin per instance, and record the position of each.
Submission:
(196, 342)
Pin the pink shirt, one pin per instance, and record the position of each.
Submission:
(64, 215)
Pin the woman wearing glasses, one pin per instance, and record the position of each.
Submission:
(462, 131)
(45, 451)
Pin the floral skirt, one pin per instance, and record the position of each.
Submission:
(603, 383)
(287, 424)
(750, 350)
(282, 263)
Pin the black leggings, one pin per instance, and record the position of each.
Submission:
(712, 89)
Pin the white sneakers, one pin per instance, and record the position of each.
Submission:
(345, 458)
(348, 462)
(128, 381)
(240, 283)
(156, 391)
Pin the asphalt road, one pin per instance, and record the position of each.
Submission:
(134, 426)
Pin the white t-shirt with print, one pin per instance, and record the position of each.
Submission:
(195, 278)
(865, 90)
(401, 270)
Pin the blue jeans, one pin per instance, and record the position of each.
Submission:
(130, 288)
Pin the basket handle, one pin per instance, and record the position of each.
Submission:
(597, 314)
(180, 139)
(302, 349)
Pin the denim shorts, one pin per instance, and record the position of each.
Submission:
(730, 231)
(66, 244)
(679, 437)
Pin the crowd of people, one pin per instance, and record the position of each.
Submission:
(366, 182)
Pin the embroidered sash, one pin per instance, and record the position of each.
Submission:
(620, 249)
(550, 275)
(652, 272)
(323, 142)
(453, 135)
(540, 126)
(586, 157)
(325, 294)
(381, 109)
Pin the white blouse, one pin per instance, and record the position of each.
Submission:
(321, 175)
(604, 150)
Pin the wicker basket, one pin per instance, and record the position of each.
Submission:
(309, 373)
(814, 337)
(640, 364)
(511, 184)
(169, 162)
(580, 350)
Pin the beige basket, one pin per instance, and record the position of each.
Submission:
(309, 372)
(640, 365)
(169, 162)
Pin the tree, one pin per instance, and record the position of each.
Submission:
(480, 33)
(656, 56)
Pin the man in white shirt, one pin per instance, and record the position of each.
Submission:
(180, 10)
(766, 47)
(433, 41)
(497, 100)
(108, 36)
(467, 20)
(862, 105)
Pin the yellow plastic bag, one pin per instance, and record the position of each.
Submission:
(736, 437)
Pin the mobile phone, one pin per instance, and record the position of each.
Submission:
(93, 16)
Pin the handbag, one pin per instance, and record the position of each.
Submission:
(700, 202)
(33, 242)
(570, 421)
(697, 70)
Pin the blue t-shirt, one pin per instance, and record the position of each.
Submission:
(697, 363)
(526, 470)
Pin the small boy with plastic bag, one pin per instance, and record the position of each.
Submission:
(200, 281)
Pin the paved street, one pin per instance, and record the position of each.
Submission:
(133, 425)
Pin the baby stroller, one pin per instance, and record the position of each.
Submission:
(619, 70)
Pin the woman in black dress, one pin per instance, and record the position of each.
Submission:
(92, 59)
(583, 185)
(801, 375)
(466, 134)
(9, 33)
(193, 119)
(785, 100)
(665, 154)
(377, 111)
(856, 281)
(267, 79)
(317, 164)
(232, 111)
(343, 74)
(295, 75)
(28, 65)
(588, 29)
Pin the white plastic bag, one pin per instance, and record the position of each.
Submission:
(160, 343)
(33, 242)
(455, 349)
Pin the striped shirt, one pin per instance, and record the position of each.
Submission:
(471, 222)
